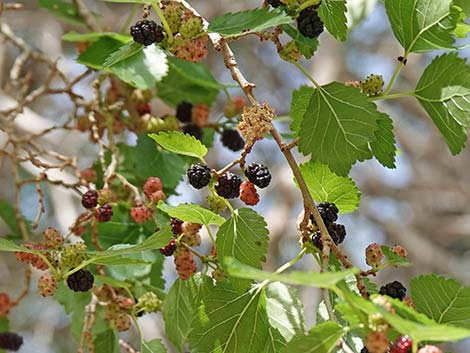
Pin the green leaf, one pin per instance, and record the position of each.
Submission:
(244, 237)
(179, 143)
(394, 259)
(9, 246)
(187, 81)
(97, 53)
(422, 25)
(443, 299)
(107, 342)
(464, 5)
(299, 106)
(121, 260)
(126, 51)
(74, 303)
(307, 46)
(383, 147)
(62, 10)
(112, 282)
(326, 186)
(256, 20)
(321, 339)
(285, 310)
(7, 213)
(444, 92)
(230, 322)
(314, 279)
(94, 36)
(153, 346)
(183, 298)
(338, 126)
(333, 14)
(191, 212)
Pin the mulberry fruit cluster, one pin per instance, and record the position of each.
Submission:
(199, 175)
(153, 190)
(185, 264)
(228, 186)
(394, 289)
(329, 213)
(248, 193)
(309, 23)
(149, 302)
(169, 249)
(72, 255)
(52, 238)
(104, 213)
(32, 259)
(47, 285)
(372, 85)
(147, 32)
(141, 213)
(194, 117)
(374, 255)
(402, 344)
(232, 140)
(90, 199)
(377, 342)
(81, 281)
(256, 122)
(258, 174)
(10, 341)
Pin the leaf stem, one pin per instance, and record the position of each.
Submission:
(132, 13)
(308, 3)
(395, 75)
(291, 262)
(307, 74)
(392, 96)
(158, 10)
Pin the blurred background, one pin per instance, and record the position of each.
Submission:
(423, 205)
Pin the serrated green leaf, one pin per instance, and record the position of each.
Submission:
(255, 20)
(183, 298)
(74, 304)
(464, 5)
(244, 237)
(383, 147)
(333, 14)
(153, 346)
(126, 51)
(191, 212)
(443, 299)
(95, 55)
(444, 92)
(338, 126)
(395, 259)
(307, 46)
(314, 279)
(321, 339)
(285, 310)
(9, 246)
(187, 81)
(120, 260)
(422, 25)
(230, 321)
(7, 213)
(326, 186)
(107, 342)
(180, 143)
(299, 105)
(94, 36)
(62, 10)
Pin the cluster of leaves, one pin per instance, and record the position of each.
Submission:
(338, 125)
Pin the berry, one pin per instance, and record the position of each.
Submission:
(184, 111)
(328, 212)
(258, 174)
(377, 342)
(152, 185)
(185, 264)
(32, 259)
(364, 350)
(200, 114)
(173, 13)
(190, 228)
(256, 122)
(316, 240)
(169, 249)
(275, 3)
(149, 302)
(309, 23)
(176, 226)
(430, 349)
(89, 174)
(52, 238)
(337, 232)
(218, 275)
(232, 140)
(140, 214)
(234, 106)
(216, 203)
(394, 289)
(104, 196)
(199, 175)
(72, 255)
(372, 85)
(228, 186)
(104, 213)
(193, 50)
(400, 251)
(290, 52)
(90, 199)
(147, 32)
(143, 108)
(402, 344)
(191, 240)
(81, 281)
(5, 304)
(193, 130)
(374, 255)
(191, 27)
(248, 193)
(10, 341)
(122, 321)
(47, 285)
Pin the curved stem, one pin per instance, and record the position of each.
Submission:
(392, 96)
(292, 262)
(308, 3)
(158, 10)
(395, 75)
(307, 74)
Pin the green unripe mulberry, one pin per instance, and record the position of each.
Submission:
(372, 85)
